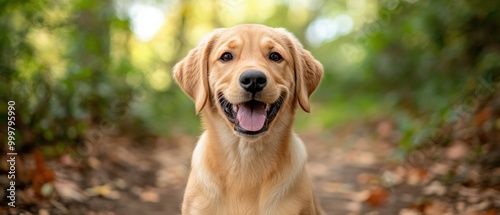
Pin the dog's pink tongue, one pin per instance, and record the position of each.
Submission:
(251, 117)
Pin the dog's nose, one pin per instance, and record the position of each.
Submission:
(253, 81)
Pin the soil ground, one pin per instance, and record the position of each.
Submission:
(355, 171)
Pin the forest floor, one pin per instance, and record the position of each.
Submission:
(355, 170)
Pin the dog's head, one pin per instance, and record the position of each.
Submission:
(250, 75)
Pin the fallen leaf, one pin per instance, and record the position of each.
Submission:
(492, 211)
(335, 187)
(365, 159)
(460, 207)
(378, 196)
(68, 160)
(473, 199)
(435, 188)
(121, 184)
(42, 174)
(316, 169)
(360, 196)
(437, 208)
(416, 176)
(68, 190)
(352, 206)
(466, 191)
(43, 212)
(150, 196)
(47, 189)
(483, 115)
(457, 150)
(93, 162)
(366, 178)
(390, 178)
(104, 191)
(440, 168)
(477, 207)
(408, 211)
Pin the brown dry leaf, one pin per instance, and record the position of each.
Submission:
(42, 174)
(43, 212)
(457, 150)
(473, 199)
(352, 206)
(335, 187)
(460, 206)
(69, 190)
(408, 211)
(440, 168)
(483, 115)
(104, 191)
(149, 196)
(435, 188)
(360, 196)
(477, 207)
(68, 160)
(93, 162)
(492, 211)
(416, 176)
(378, 196)
(316, 169)
(120, 184)
(438, 208)
(366, 178)
(466, 191)
(365, 159)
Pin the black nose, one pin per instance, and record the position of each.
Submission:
(253, 81)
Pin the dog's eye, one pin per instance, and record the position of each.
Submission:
(275, 57)
(226, 57)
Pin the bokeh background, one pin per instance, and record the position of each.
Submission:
(83, 70)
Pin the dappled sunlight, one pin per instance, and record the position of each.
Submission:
(324, 30)
(159, 79)
(146, 21)
(406, 119)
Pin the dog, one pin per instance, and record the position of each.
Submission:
(247, 81)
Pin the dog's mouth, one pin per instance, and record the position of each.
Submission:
(251, 117)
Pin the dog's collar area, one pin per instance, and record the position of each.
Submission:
(252, 117)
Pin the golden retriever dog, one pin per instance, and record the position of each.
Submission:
(246, 82)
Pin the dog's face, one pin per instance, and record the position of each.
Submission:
(249, 75)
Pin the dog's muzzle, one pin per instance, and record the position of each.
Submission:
(252, 117)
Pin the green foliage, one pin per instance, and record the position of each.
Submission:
(431, 55)
(70, 66)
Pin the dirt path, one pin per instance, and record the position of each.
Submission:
(353, 169)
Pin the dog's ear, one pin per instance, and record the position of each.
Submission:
(191, 73)
(308, 71)
(307, 78)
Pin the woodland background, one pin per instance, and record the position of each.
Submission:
(93, 77)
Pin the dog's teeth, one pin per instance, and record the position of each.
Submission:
(267, 107)
(235, 108)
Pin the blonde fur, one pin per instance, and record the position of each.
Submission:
(237, 174)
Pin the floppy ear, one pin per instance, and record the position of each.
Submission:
(308, 71)
(191, 73)
(308, 74)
